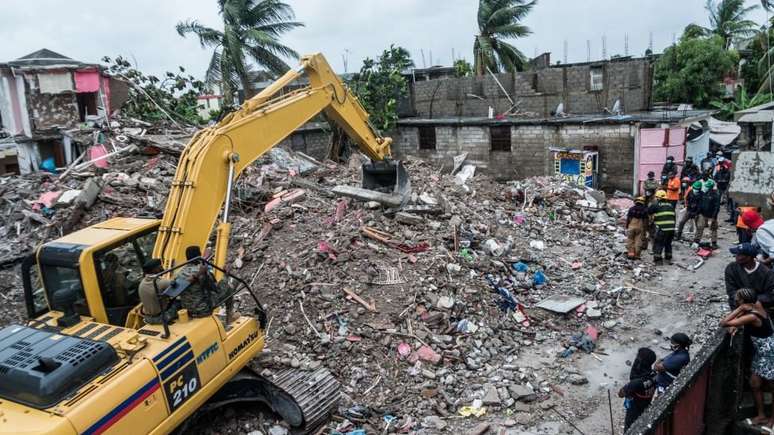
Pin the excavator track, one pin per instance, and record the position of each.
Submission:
(304, 399)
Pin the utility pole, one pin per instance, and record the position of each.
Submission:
(588, 50)
(650, 41)
(604, 47)
(422, 51)
(565, 52)
(345, 59)
(626, 44)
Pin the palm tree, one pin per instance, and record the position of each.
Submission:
(497, 20)
(251, 31)
(727, 20)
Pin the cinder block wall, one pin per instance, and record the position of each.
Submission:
(539, 91)
(312, 141)
(530, 149)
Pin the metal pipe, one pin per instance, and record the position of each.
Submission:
(501, 86)
(232, 159)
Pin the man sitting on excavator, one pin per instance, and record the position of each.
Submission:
(150, 291)
(196, 298)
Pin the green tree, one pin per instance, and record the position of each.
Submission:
(462, 68)
(728, 20)
(692, 71)
(379, 85)
(754, 69)
(498, 20)
(694, 31)
(251, 31)
(742, 101)
(154, 99)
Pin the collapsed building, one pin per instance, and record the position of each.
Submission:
(47, 102)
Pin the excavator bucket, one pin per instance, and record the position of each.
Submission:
(387, 176)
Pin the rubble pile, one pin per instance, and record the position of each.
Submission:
(472, 299)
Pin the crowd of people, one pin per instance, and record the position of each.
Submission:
(660, 216)
(693, 195)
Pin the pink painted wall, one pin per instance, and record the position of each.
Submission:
(656, 144)
(87, 81)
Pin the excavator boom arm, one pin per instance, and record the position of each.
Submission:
(216, 156)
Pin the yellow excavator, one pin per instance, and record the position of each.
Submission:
(88, 363)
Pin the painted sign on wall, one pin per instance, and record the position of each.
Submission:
(576, 167)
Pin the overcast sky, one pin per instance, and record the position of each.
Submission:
(144, 30)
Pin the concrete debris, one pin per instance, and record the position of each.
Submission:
(561, 304)
(465, 174)
(419, 315)
(387, 199)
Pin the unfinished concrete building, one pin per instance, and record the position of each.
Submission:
(582, 88)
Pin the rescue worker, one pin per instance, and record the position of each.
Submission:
(636, 228)
(195, 298)
(750, 214)
(692, 201)
(669, 169)
(149, 297)
(669, 367)
(673, 191)
(708, 214)
(649, 187)
(663, 216)
(690, 170)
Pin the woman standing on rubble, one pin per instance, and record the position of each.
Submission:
(638, 393)
(751, 316)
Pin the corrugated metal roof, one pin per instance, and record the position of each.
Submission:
(761, 116)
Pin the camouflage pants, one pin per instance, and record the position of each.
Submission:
(200, 301)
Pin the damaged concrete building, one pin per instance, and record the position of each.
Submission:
(45, 99)
(590, 122)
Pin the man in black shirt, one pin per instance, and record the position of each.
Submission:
(690, 170)
(748, 272)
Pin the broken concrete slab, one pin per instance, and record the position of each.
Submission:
(426, 199)
(465, 174)
(89, 193)
(66, 199)
(388, 199)
(561, 304)
(518, 391)
(408, 218)
(491, 396)
(457, 162)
